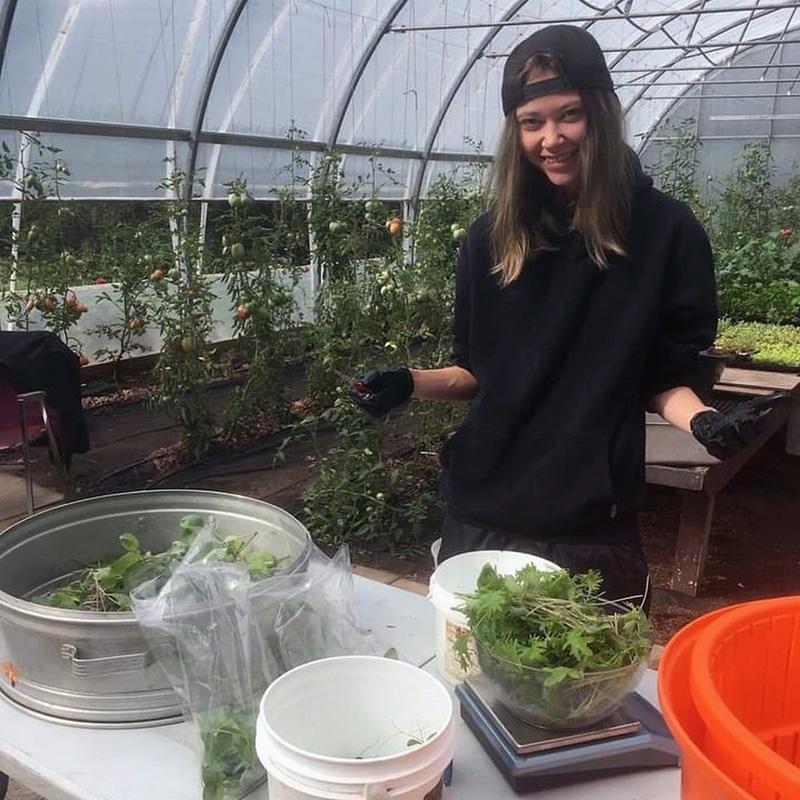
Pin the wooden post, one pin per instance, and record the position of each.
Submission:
(693, 534)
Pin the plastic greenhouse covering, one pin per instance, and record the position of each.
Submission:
(226, 87)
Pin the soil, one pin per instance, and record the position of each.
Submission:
(754, 550)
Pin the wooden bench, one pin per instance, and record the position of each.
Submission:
(675, 459)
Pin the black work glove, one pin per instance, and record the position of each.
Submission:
(379, 391)
(724, 434)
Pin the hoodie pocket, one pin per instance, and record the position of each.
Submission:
(527, 481)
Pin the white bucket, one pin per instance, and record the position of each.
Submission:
(458, 575)
(355, 727)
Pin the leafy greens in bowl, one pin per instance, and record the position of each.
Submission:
(556, 652)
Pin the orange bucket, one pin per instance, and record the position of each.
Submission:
(745, 685)
(701, 779)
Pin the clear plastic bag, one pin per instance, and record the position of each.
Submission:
(225, 621)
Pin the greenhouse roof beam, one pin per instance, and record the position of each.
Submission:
(363, 62)
(754, 118)
(662, 68)
(6, 18)
(599, 17)
(433, 130)
(70, 126)
(81, 127)
(705, 45)
(724, 137)
(642, 93)
(741, 81)
(208, 85)
(708, 97)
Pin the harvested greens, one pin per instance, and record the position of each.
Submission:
(556, 652)
(106, 586)
(230, 766)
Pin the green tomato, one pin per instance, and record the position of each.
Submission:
(174, 273)
(237, 251)
(234, 200)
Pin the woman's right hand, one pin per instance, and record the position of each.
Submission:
(379, 391)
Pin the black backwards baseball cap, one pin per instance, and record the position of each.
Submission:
(582, 61)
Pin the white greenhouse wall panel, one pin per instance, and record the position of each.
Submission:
(102, 313)
(138, 166)
(266, 170)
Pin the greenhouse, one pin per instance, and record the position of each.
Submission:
(399, 399)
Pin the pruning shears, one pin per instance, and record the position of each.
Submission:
(356, 385)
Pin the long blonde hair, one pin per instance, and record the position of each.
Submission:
(523, 226)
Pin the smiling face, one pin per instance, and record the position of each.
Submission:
(552, 129)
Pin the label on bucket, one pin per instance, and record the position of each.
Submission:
(452, 662)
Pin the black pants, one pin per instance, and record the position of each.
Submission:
(615, 552)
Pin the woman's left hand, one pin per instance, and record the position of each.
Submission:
(724, 434)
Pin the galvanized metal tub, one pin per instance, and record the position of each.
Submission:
(94, 668)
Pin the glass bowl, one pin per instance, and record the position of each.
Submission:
(570, 704)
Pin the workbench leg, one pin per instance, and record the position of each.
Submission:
(793, 430)
(690, 554)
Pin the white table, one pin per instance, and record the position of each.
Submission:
(63, 762)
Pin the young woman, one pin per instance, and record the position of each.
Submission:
(582, 299)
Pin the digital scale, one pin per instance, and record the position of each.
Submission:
(531, 758)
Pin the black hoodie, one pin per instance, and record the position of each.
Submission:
(567, 358)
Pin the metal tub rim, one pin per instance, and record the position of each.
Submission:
(119, 618)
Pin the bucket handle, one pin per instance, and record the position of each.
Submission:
(108, 665)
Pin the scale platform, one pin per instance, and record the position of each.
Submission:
(532, 758)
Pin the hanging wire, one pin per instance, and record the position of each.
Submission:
(126, 150)
(324, 52)
(115, 50)
(408, 89)
(291, 59)
(543, 20)
(249, 79)
(42, 59)
(414, 53)
(442, 70)
(273, 19)
(486, 78)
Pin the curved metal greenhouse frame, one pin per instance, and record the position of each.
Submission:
(369, 51)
